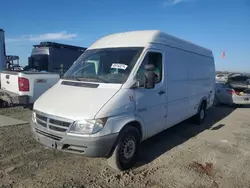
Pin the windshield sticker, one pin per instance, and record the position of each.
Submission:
(119, 66)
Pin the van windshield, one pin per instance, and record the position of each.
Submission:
(108, 65)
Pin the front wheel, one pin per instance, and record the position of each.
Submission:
(126, 149)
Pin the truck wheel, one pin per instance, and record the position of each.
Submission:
(201, 115)
(126, 149)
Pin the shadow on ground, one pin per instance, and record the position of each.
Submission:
(178, 134)
(244, 106)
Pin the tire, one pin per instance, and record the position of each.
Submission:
(201, 115)
(126, 149)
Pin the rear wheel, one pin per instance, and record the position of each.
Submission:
(126, 149)
(201, 115)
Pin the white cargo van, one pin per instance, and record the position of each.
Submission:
(123, 89)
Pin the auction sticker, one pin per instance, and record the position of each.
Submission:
(119, 66)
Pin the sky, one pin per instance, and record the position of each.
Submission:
(220, 25)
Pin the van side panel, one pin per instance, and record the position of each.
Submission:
(190, 77)
(201, 82)
(177, 86)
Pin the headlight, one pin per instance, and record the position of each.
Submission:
(88, 126)
(33, 116)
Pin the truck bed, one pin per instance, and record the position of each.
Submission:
(38, 83)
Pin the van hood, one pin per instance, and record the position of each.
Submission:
(74, 102)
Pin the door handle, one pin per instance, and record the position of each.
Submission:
(161, 92)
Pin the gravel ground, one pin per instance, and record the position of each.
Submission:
(216, 154)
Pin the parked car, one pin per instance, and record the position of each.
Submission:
(238, 82)
(248, 81)
(221, 77)
(123, 90)
(224, 94)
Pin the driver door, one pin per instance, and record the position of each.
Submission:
(150, 103)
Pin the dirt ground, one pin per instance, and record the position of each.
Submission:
(216, 154)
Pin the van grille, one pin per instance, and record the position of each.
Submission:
(57, 128)
(60, 123)
(41, 117)
(48, 135)
(53, 124)
(44, 124)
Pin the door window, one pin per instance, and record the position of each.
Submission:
(154, 58)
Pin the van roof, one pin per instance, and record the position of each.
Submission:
(146, 37)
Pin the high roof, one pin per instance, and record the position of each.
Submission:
(144, 38)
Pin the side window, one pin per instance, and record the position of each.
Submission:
(154, 58)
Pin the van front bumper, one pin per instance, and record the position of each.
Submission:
(87, 146)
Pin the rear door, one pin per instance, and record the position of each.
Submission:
(9, 81)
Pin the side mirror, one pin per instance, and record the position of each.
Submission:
(149, 76)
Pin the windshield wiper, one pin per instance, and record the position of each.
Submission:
(71, 78)
(85, 78)
(89, 77)
(93, 77)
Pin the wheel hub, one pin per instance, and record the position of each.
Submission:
(128, 148)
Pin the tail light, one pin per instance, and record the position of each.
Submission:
(23, 84)
(232, 92)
